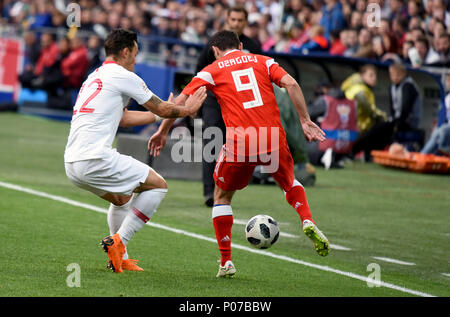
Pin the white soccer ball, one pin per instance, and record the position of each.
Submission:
(262, 231)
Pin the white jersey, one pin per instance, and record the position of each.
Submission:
(99, 109)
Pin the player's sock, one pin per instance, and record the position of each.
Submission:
(296, 197)
(143, 208)
(116, 215)
(223, 221)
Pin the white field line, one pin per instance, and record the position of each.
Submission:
(339, 247)
(446, 274)
(289, 235)
(244, 222)
(236, 246)
(392, 260)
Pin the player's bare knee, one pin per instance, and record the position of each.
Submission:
(222, 197)
(117, 200)
(155, 180)
(163, 183)
(152, 183)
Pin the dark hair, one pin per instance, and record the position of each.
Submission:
(439, 21)
(366, 68)
(225, 40)
(424, 40)
(418, 28)
(51, 35)
(238, 9)
(402, 22)
(398, 67)
(119, 39)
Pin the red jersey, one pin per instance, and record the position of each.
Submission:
(242, 84)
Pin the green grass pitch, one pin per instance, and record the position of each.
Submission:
(370, 210)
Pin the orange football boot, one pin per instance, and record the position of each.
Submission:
(114, 247)
(131, 265)
(127, 265)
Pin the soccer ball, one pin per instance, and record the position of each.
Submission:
(262, 231)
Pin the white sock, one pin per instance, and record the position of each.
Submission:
(116, 215)
(143, 208)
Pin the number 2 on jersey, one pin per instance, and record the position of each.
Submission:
(84, 108)
(252, 85)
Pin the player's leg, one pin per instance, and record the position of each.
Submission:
(119, 208)
(114, 179)
(229, 177)
(144, 204)
(222, 218)
(128, 213)
(284, 176)
(296, 196)
(117, 213)
(212, 117)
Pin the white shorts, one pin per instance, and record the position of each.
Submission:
(117, 174)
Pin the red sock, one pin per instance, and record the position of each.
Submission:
(222, 226)
(296, 197)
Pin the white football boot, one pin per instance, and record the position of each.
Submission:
(228, 270)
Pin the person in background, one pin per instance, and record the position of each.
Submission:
(426, 54)
(95, 52)
(352, 42)
(443, 49)
(365, 49)
(359, 87)
(333, 112)
(75, 65)
(317, 42)
(32, 50)
(405, 114)
(48, 57)
(338, 42)
(298, 36)
(439, 142)
(332, 17)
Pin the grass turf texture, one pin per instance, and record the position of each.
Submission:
(373, 210)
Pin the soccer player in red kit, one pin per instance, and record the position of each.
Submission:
(242, 83)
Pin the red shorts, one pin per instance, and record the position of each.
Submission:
(233, 174)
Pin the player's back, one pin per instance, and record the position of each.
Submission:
(242, 83)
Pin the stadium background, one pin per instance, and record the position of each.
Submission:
(171, 34)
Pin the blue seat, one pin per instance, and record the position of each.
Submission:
(35, 96)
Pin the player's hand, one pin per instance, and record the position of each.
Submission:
(156, 143)
(170, 97)
(312, 131)
(195, 101)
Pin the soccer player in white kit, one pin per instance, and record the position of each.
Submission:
(133, 188)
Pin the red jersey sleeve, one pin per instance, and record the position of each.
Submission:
(276, 72)
(203, 78)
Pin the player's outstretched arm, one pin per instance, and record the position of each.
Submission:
(158, 140)
(311, 130)
(132, 118)
(168, 109)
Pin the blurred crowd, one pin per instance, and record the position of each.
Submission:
(411, 31)
(403, 32)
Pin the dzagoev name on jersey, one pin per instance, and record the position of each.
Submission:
(238, 60)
